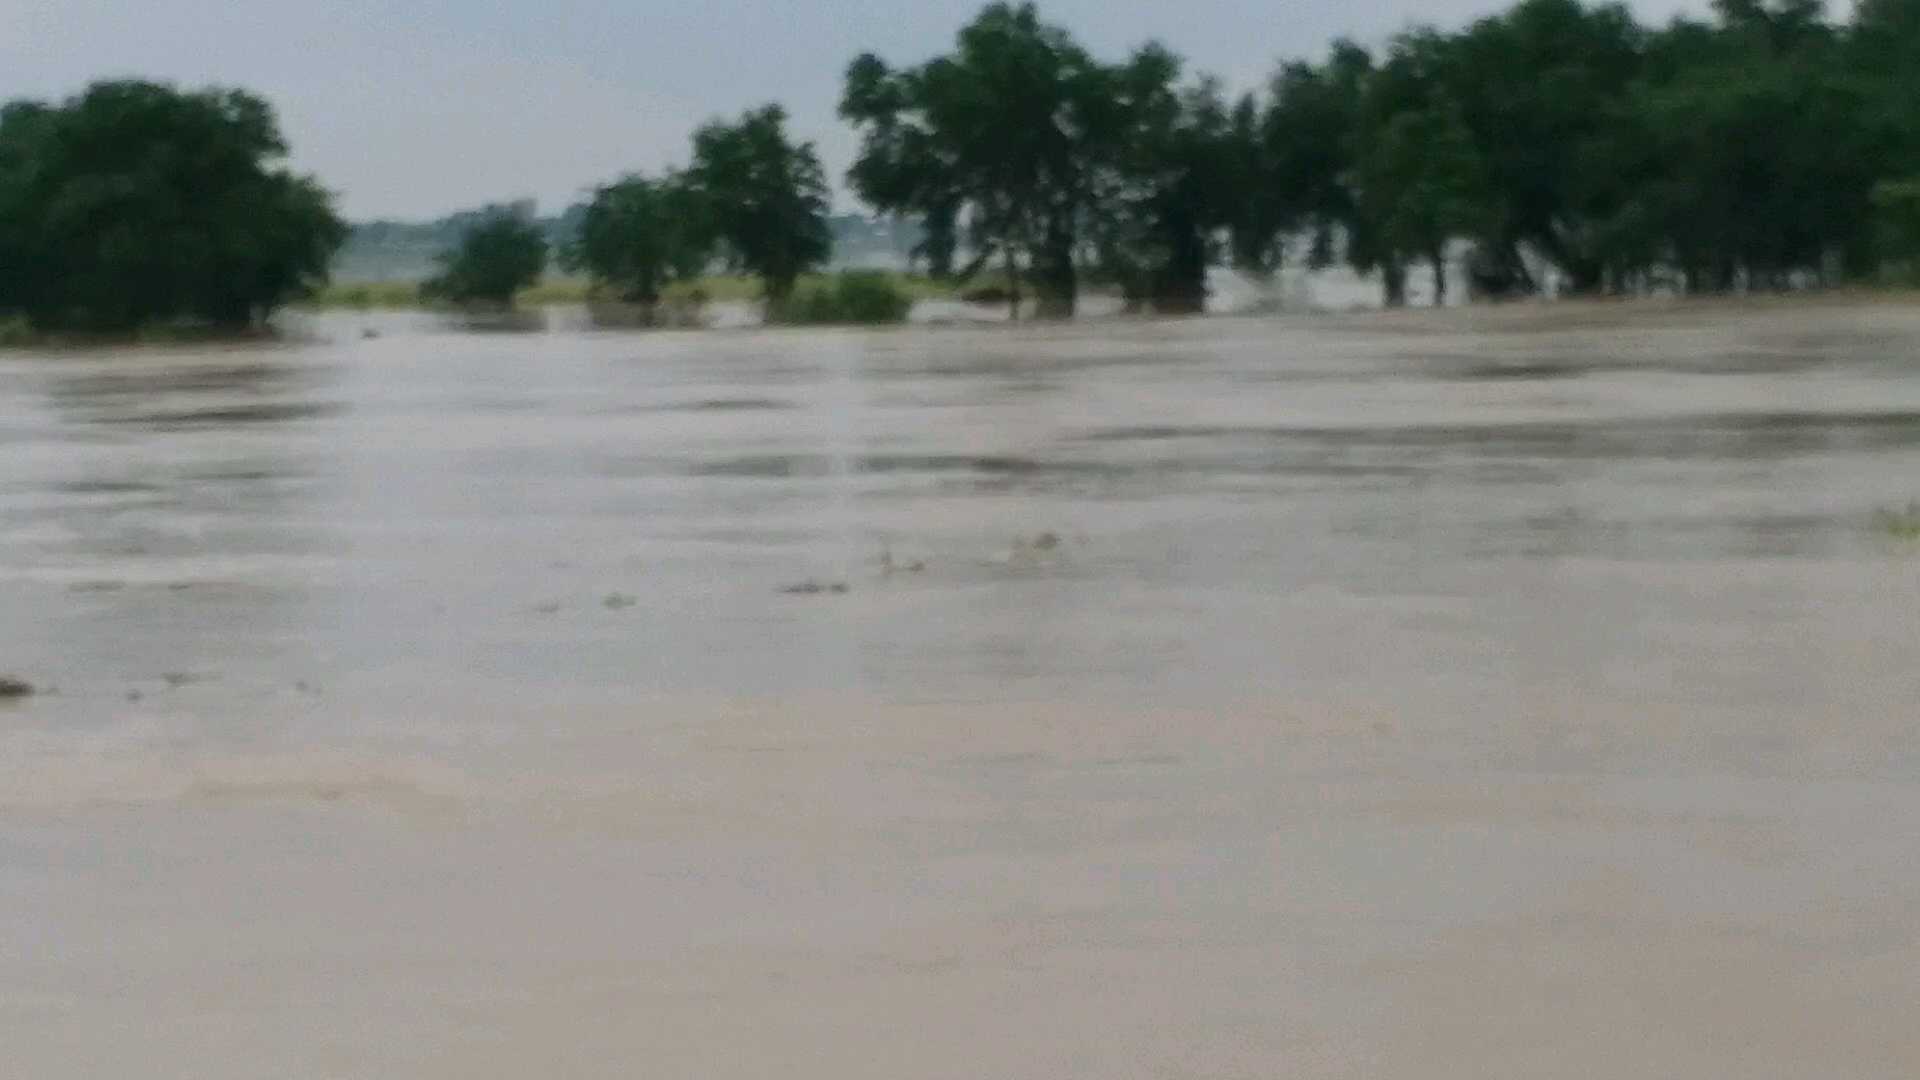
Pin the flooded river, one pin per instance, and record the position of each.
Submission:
(1527, 693)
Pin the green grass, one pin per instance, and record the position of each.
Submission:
(363, 295)
(1901, 524)
(367, 294)
(555, 292)
(855, 298)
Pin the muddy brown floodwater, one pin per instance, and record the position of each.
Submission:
(1478, 694)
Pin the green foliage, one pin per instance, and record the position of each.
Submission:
(763, 197)
(638, 236)
(1417, 179)
(1902, 523)
(1897, 209)
(863, 297)
(999, 139)
(136, 204)
(497, 258)
(1166, 185)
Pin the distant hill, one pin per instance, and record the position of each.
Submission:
(406, 251)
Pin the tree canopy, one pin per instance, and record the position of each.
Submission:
(639, 235)
(1002, 137)
(1764, 147)
(1555, 145)
(498, 257)
(764, 197)
(135, 203)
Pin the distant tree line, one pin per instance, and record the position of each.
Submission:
(1557, 145)
(752, 200)
(1766, 148)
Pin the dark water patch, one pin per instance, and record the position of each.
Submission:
(231, 415)
(766, 466)
(986, 464)
(1167, 432)
(1518, 372)
(105, 487)
(253, 378)
(775, 466)
(726, 405)
(706, 406)
(248, 475)
(1710, 435)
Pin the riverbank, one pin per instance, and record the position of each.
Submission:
(570, 291)
(734, 302)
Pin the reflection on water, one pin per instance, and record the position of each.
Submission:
(1228, 692)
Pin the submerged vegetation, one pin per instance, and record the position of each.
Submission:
(573, 291)
(496, 259)
(863, 297)
(1901, 523)
(753, 200)
(1561, 145)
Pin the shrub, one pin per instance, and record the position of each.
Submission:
(497, 258)
(862, 297)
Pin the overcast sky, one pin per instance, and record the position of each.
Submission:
(412, 108)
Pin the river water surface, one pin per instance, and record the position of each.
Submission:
(1472, 694)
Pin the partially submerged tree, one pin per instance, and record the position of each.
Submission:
(135, 203)
(1416, 176)
(639, 235)
(1163, 183)
(997, 138)
(497, 258)
(764, 197)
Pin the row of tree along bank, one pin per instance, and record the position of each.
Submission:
(1767, 147)
(753, 200)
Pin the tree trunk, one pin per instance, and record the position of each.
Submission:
(1056, 282)
(1439, 278)
(1180, 287)
(1013, 287)
(1393, 276)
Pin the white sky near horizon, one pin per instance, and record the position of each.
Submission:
(414, 109)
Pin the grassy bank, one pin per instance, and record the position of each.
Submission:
(361, 295)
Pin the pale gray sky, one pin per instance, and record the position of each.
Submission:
(412, 108)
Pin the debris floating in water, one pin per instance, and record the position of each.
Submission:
(818, 588)
(619, 602)
(890, 566)
(12, 689)
(1029, 552)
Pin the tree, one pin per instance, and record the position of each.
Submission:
(1257, 222)
(1000, 134)
(1417, 178)
(1763, 157)
(498, 257)
(1541, 88)
(766, 198)
(1163, 182)
(1309, 135)
(135, 203)
(639, 235)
